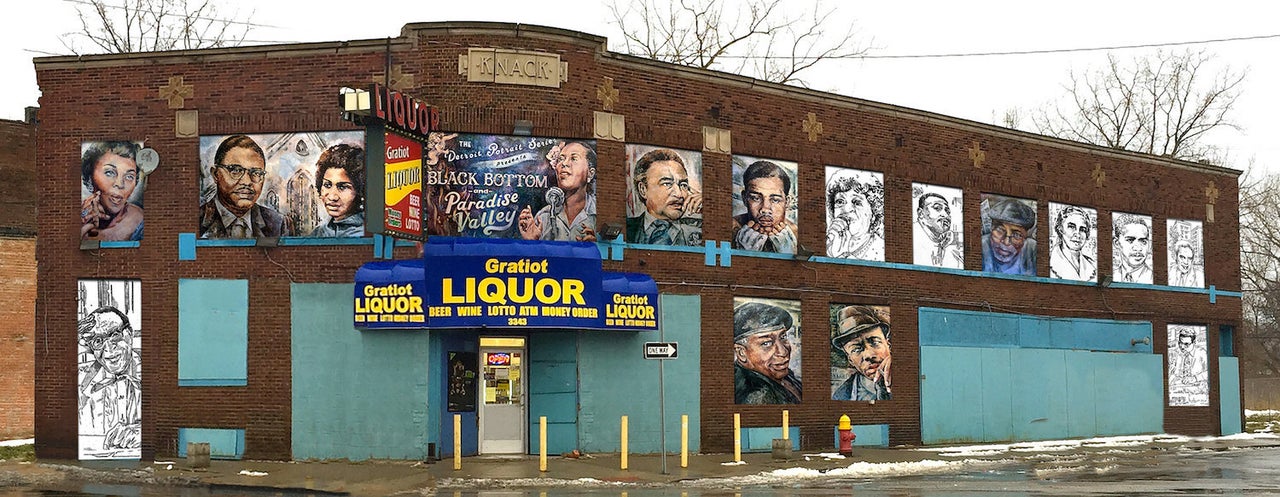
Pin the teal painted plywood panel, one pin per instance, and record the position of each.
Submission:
(1083, 370)
(1229, 395)
(1037, 333)
(553, 389)
(1130, 395)
(997, 396)
(950, 400)
(213, 332)
(609, 364)
(1039, 394)
(356, 395)
(946, 327)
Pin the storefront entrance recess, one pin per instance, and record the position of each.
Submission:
(502, 387)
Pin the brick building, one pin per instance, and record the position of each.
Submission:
(797, 239)
(17, 277)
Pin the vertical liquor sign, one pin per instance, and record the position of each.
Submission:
(402, 187)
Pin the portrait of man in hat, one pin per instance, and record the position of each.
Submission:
(765, 335)
(1008, 235)
(860, 335)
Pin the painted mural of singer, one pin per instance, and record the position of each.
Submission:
(570, 213)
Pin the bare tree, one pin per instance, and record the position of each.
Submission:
(153, 25)
(760, 39)
(1260, 274)
(1162, 104)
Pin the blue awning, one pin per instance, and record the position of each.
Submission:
(503, 283)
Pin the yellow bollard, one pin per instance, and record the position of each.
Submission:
(684, 440)
(542, 441)
(624, 442)
(737, 437)
(457, 441)
(786, 415)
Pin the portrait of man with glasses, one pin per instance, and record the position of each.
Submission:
(1008, 235)
(239, 170)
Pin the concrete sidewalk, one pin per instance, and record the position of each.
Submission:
(383, 478)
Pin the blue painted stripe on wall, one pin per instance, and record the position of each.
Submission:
(959, 328)
(186, 246)
(356, 395)
(227, 382)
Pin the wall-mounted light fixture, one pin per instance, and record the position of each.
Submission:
(611, 231)
(523, 127)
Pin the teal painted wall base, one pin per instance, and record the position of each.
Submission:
(863, 435)
(356, 395)
(1229, 395)
(760, 439)
(224, 443)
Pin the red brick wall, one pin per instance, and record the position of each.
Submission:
(17, 336)
(258, 90)
(17, 178)
(17, 277)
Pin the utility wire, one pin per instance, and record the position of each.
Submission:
(1011, 52)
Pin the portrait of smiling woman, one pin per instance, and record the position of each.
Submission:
(111, 197)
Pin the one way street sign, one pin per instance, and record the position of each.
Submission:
(660, 350)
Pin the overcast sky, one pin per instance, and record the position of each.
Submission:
(976, 88)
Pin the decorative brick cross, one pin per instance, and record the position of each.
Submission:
(398, 79)
(1211, 192)
(1098, 174)
(977, 154)
(812, 126)
(607, 94)
(176, 92)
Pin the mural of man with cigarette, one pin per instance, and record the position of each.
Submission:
(862, 335)
(672, 208)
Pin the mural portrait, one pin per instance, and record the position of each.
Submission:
(1131, 248)
(497, 186)
(937, 226)
(766, 351)
(1186, 253)
(282, 184)
(664, 196)
(1074, 242)
(1008, 235)
(1188, 365)
(108, 362)
(855, 214)
(764, 205)
(111, 188)
(860, 353)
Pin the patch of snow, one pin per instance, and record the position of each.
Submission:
(855, 470)
(246, 472)
(162, 462)
(18, 442)
(528, 482)
(733, 463)
(1264, 412)
(824, 455)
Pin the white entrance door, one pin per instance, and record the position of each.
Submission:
(502, 409)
